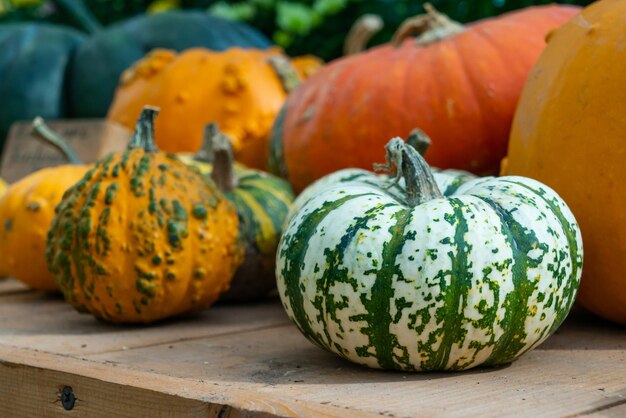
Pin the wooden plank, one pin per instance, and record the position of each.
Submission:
(11, 286)
(31, 382)
(46, 323)
(452, 394)
(550, 381)
(35, 392)
(250, 360)
(616, 409)
(91, 138)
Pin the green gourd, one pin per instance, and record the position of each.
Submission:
(262, 201)
(34, 67)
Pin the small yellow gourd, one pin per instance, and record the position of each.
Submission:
(26, 212)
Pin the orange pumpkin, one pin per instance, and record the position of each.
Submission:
(459, 84)
(26, 213)
(569, 132)
(142, 236)
(239, 89)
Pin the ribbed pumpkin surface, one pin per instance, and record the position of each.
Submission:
(476, 277)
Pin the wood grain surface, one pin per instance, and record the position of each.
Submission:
(249, 360)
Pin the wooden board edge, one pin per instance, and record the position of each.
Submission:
(27, 391)
(31, 384)
(609, 410)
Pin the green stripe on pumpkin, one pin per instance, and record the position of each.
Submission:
(260, 223)
(378, 306)
(267, 204)
(455, 184)
(452, 314)
(294, 249)
(278, 188)
(521, 241)
(570, 290)
(335, 273)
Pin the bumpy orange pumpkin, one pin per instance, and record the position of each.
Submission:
(26, 213)
(143, 236)
(569, 132)
(459, 84)
(239, 89)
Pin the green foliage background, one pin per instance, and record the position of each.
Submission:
(299, 26)
(319, 26)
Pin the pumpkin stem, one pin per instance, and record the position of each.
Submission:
(410, 165)
(144, 130)
(288, 75)
(428, 28)
(205, 153)
(361, 32)
(43, 131)
(218, 149)
(419, 140)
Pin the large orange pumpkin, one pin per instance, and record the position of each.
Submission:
(569, 132)
(241, 90)
(459, 84)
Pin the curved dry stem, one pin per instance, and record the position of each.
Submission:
(427, 28)
(219, 150)
(410, 165)
(288, 75)
(43, 131)
(419, 140)
(361, 32)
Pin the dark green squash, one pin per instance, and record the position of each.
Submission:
(34, 60)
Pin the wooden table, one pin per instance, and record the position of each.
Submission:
(250, 360)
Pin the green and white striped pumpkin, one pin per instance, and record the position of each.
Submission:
(421, 281)
(262, 201)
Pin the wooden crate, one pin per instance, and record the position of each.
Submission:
(92, 139)
(234, 361)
